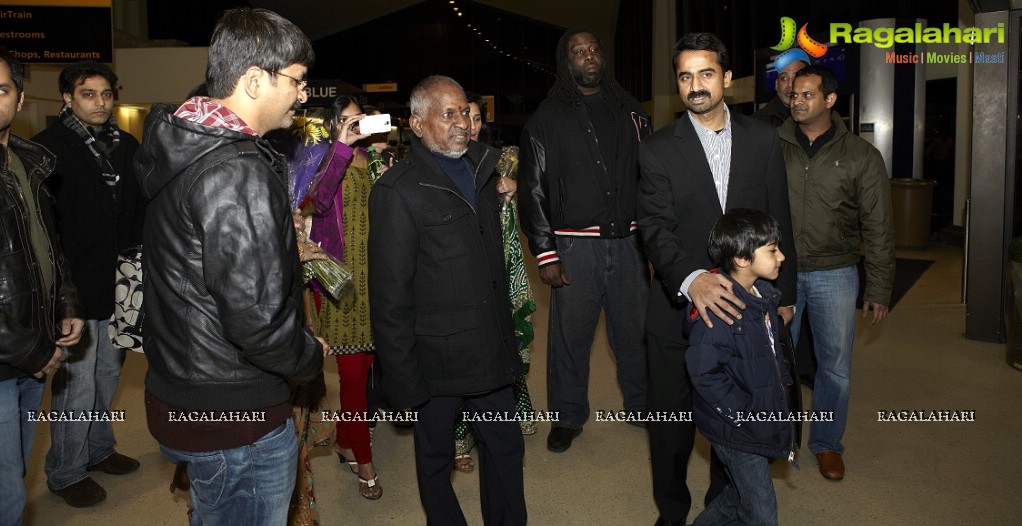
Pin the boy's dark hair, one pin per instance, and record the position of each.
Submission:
(738, 234)
(17, 70)
(77, 73)
(828, 82)
(702, 42)
(246, 37)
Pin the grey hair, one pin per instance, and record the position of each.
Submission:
(421, 100)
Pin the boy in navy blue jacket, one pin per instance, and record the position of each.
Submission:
(739, 375)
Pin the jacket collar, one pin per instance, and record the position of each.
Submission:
(769, 297)
(33, 155)
(691, 148)
(787, 130)
(482, 159)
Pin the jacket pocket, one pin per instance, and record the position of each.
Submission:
(450, 232)
(446, 323)
(15, 277)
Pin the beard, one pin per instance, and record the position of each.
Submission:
(453, 154)
(584, 79)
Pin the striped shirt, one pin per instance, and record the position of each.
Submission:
(717, 147)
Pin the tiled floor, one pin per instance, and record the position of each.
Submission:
(899, 473)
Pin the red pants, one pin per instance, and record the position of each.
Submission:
(353, 434)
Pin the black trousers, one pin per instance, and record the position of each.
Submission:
(501, 450)
(670, 443)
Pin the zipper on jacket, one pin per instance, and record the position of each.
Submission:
(475, 175)
(805, 193)
(456, 194)
(780, 383)
(23, 212)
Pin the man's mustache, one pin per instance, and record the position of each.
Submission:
(700, 93)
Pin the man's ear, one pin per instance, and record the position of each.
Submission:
(21, 99)
(253, 80)
(831, 100)
(66, 96)
(415, 122)
(727, 79)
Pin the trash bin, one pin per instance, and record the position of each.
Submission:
(912, 203)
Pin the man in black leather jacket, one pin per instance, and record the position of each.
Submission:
(35, 291)
(224, 331)
(579, 174)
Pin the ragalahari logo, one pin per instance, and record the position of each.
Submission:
(789, 37)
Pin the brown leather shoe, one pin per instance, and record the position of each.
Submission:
(831, 465)
(116, 464)
(82, 494)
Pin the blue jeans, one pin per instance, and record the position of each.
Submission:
(86, 382)
(748, 499)
(611, 274)
(246, 485)
(17, 397)
(828, 298)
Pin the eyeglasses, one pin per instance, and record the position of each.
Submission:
(301, 83)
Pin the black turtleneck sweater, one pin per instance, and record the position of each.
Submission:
(460, 172)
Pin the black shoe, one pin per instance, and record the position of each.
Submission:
(559, 439)
(116, 464)
(82, 494)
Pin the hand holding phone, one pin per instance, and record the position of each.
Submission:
(371, 124)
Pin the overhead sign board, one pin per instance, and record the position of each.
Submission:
(379, 88)
(57, 31)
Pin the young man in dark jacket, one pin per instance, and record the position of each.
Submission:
(99, 214)
(739, 375)
(579, 174)
(224, 333)
(36, 291)
(441, 314)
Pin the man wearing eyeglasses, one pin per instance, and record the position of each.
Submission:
(223, 331)
(579, 174)
(99, 213)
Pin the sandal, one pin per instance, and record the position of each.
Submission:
(370, 489)
(464, 463)
(352, 465)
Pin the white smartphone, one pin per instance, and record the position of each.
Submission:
(371, 124)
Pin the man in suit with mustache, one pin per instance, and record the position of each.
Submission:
(708, 161)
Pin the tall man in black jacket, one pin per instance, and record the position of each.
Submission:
(224, 333)
(579, 173)
(708, 161)
(36, 288)
(441, 314)
(99, 213)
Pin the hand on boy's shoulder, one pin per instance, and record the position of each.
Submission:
(711, 292)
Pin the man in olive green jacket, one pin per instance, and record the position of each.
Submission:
(840, 199)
